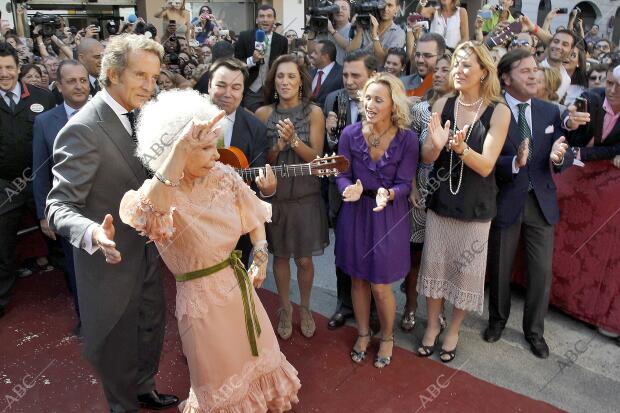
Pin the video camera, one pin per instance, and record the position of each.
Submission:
(49, 22)
(365, 10)
(320, 15)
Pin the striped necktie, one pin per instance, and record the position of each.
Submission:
(526, 133)
(9, 97)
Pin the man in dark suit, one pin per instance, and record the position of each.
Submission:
(342, 109)
(327, 75)
(259, 62)
(72, 81)
(603, 130)
(119, 284)
(527, 206)
(243, 130)
(19, 106)
(89, 53)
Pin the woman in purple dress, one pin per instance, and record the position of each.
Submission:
(373, 230)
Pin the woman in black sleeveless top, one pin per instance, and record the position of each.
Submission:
(464, 143)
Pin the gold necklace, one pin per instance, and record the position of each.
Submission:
(376, 140)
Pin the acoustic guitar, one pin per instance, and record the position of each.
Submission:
(321, 167)
(504, 35)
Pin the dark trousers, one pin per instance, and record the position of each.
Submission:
(245, 245)
(537, 236)
(67, 250)
(128, 359)
(9, 225)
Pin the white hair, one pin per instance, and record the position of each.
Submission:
(163, 119)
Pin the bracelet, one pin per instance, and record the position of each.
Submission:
(167, 181)
(375, 39)
(464, 153)
(295, 141)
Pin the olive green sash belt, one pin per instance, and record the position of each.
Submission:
(252, 325)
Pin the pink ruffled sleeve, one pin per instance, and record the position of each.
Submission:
(253, 211)
(138, 212)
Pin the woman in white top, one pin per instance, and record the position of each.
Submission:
(448, 20)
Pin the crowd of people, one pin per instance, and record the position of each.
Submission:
(452, 135)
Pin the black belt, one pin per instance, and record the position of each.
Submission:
(369, 192)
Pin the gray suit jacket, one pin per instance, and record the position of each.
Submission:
(94, 165)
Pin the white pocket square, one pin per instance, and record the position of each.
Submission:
(549, 129)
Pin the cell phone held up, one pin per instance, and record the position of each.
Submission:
(581, 104)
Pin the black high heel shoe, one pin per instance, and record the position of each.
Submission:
(450, 353)
(427, 351)
(384, 361)
(359, 355)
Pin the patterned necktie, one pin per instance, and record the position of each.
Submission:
(318, 83)
(11, 102)
(132, 121)
(526, 133)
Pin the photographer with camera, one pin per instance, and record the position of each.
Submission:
(376, 36)
(259, 49)
(338, 29)
(448, 20)
(492, 15)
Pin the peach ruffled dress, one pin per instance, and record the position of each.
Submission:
(200, 230)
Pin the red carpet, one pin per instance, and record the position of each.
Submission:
(41, 369)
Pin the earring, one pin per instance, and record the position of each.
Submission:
(301, 92)
(482, 79)
(275, 95)
(394, 118)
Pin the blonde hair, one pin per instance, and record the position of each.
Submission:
(489, 87)
(552, 81)
(401, 116)
(117, 51)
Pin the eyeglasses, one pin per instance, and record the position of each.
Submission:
(520, 42)
(539, 52)
(602, 46)
(424, 55)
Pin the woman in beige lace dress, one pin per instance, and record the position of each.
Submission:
(195, 209)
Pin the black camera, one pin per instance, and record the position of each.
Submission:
(320, 15)
(365, 10)
(173, 58)
(49, 22)
(113, 26)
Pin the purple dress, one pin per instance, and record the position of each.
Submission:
(374, 246)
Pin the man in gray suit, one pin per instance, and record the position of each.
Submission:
(118, 276)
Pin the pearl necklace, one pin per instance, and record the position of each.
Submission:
(471, 127)
(469, 105)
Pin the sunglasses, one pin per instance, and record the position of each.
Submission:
(520, 42)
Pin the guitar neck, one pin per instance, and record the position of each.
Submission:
(281, 171)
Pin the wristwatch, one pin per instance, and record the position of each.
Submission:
(465, 152)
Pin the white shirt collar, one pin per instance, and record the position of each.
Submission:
(513, 102)
(232, 116)
(326, 70)
(17, 92)
(69, 110)
(117, 108)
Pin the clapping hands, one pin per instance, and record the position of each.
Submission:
(353, 192)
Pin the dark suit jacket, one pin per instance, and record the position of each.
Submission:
(513, 188)
(244, 48)
(250, 135)
(16, 144)
(580, 137)
(46, 127)
(332, 82)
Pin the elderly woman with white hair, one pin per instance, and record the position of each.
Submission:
(195, 209)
